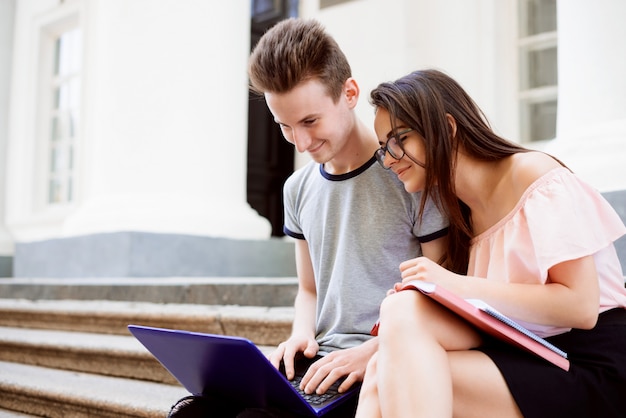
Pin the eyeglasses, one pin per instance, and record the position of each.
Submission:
(393, 147)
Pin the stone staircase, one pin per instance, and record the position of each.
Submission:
(65, 350)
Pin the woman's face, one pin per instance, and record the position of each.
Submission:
(407, 168)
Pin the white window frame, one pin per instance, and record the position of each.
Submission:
(527, 95)
(49, 34)
(28, 216)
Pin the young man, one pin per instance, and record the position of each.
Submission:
(347, 255)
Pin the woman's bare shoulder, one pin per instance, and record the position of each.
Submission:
(529, 166)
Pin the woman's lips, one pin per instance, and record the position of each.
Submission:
(401, 171)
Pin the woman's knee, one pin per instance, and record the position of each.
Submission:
(397, 303)
(405, 310)
(402, 305)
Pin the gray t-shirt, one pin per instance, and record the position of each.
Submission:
(359, 227)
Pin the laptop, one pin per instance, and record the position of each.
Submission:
(232, 367)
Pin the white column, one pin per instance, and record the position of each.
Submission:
(164, 124)
(591, 128)
(7, 12)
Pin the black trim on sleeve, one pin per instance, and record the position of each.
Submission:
(431, 237)
(292, 234)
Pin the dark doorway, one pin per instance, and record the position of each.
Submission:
(270, 157)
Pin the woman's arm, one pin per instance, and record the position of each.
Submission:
(570, 298)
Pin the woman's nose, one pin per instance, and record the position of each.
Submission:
(389, 160)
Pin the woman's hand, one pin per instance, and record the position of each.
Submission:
(420, 268)
(396, 287)
(423, 268)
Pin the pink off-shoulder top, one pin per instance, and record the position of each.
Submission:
(558, 218)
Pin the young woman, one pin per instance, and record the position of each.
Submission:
(526, 236)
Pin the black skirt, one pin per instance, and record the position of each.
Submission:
(595, 385)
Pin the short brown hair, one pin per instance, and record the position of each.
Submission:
(296, 50)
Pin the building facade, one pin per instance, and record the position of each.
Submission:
(124, 126)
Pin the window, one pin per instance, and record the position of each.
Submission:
(64, 115)
(538, 69)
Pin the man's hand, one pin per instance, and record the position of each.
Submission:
(349, 363)
(287, 351)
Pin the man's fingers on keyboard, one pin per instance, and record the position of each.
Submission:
(347, 383)
(330, 383)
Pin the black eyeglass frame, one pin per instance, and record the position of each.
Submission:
(383, 150)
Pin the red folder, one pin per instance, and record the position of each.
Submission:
(490, 321)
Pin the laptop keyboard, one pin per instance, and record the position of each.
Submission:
(314, 398)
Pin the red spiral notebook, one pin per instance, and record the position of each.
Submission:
(489, 320)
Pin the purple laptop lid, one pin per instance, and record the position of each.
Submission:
(226, 366)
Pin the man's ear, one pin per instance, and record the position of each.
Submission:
(452, 123)
(351, 92)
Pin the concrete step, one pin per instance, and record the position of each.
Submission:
(110, 355)
(4, 413)
(62, 357)
(39, 370)
(48, 392)
(251, 291)
(262, 325)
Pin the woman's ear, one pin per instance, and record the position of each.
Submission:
(452, 123)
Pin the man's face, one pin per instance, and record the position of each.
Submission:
(310, 119)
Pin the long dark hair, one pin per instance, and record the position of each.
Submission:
(422, 100)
